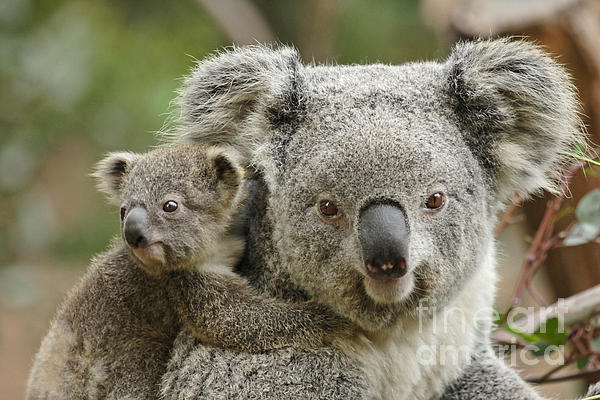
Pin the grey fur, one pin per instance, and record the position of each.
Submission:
(289, 374)
(494, 118)
(521, 107)
(593, 390)
(486, 378)
(113, 335)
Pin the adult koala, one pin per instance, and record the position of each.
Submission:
(375, 192)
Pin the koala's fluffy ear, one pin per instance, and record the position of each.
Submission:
(228, 172)
(518, 110)
(230, 97)
(111, 171)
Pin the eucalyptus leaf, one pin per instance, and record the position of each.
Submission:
(552, 332)
(595, 344)
(541, 347)
(523, 335)
(588, 208)
(583, 362)
(583, 232)
(498, 317)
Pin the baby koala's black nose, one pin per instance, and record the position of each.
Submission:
(383, 236)
(135, 227)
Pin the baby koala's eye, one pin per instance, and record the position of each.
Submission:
(435, 201)
(170, 206)
(122, 213)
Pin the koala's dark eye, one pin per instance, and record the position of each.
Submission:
(435, 201)
(328, 209)
(122, 213)
(170, 206)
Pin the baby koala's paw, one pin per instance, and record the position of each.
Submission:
(333, 326)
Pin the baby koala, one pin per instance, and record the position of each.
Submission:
(172, 269)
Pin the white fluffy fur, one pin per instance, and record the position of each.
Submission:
(392, 361)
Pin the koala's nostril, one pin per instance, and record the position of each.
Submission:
(383, 236)
(386, 271)
(135, 228)
(137, 240)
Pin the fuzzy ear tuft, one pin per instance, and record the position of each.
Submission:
(519, 112)
(228, 98)
(229, 172)
(111, 171)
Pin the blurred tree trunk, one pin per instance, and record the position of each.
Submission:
(315, 39)
(240, 20)
(569, 29)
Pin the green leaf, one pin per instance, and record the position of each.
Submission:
(582, 157)
(565, 211)
(549, 326)
(549, 333)
(592, 171)
(541, 347)
(552, 332)
(582, 233)
(498, 317)
(580, 147)
(523, 335)
(588, 208)
(583, 362)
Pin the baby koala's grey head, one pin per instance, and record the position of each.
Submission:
(176, 202)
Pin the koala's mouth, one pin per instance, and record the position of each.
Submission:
(391, 289)
(151, 254)
(386, 272)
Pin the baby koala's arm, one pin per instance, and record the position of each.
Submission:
(222, 310)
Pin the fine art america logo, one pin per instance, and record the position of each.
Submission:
(525, 336)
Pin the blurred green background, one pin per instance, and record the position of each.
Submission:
(81, 78)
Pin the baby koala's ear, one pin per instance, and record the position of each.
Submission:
(228, 170)
(111, 171)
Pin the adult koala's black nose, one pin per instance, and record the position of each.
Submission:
(383, 236)
(135, 227)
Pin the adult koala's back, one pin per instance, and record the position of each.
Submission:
(377, 193)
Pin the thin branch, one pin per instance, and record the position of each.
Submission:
(547, 375)
(507, 217)
(501, 336)
(573, 309)
(537, 297)
(565, 377)
(539, 246)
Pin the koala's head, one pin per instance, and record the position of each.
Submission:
(385, 181)
(175, 202)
